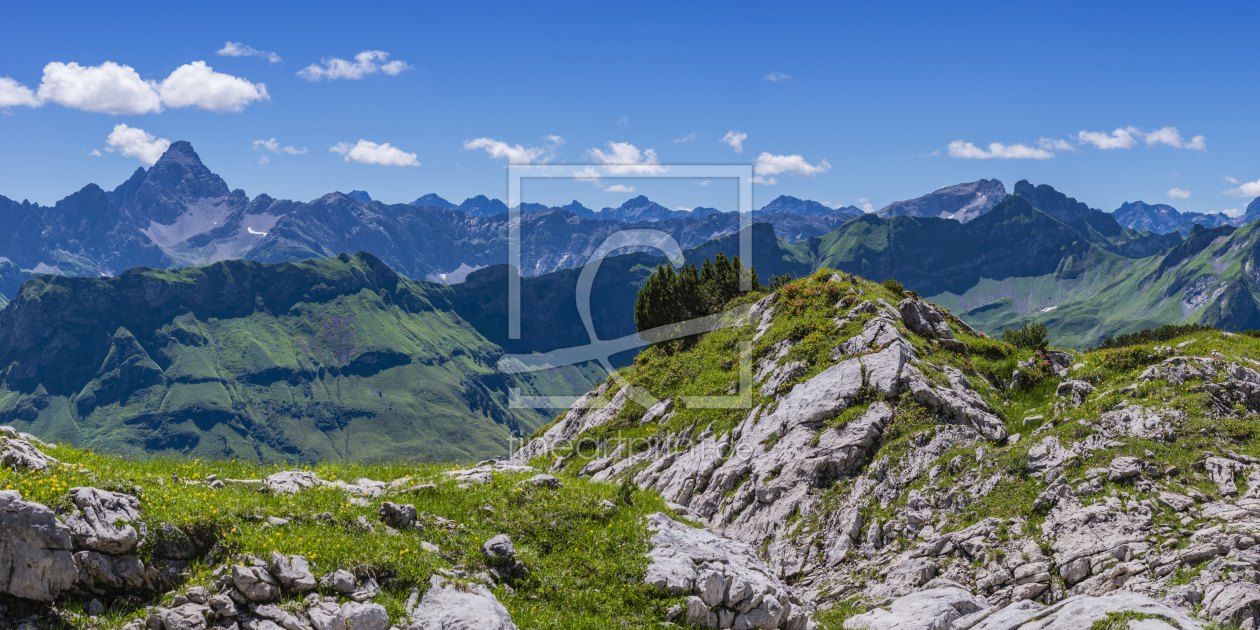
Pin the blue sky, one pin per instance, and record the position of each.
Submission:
(869, 97)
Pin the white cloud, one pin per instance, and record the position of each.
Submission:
(687, 138)
(623, 158)
(109, 88)
(996, 150)
(1055, 144)
(1128, 137)
(618, 188)
(775, 77)
(515, 153)
(13, 93)
(735, 139)
(703, 183)
(1171, 137)
(866, 205)
(769, 164)
(1118, 139)
(198, 85)
(264, 160)
(683, 209)
(365, 152)
(274, 146)
(623, 121)
(237, 49)
(1245, 189)
(137, 143)
(365, 63)
(1177, 193)
(587, 174)
(1230, 212)
(1232, 180)
(95, 153)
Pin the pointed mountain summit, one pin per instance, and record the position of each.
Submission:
(177, 181)
(359, 195)
(1139, 215)
(579, 210)
(431, 200)
(482, 206)
(962, 202)
(1068, 210)
(786, 204)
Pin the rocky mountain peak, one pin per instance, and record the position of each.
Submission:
(180, 170)
(359, 195)
(431, 200)
(962, 202)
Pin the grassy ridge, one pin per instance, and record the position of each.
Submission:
(321, 360)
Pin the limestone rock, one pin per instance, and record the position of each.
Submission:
(22, 455)
(102, 520)
(1075, 391)
(365, 616)
(255, 583)
(1079, 613)
(447, 607)
(35, 550)
(293, 573)
(724, 575)
(923, 318)
(1123, 468)
(925, 610)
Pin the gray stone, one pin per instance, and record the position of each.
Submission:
(1221, 471)
(1178, 502)
(365, 616)
(22, 455)
(1237, 603)
(782, 376)
(102, 520)
(499, 551)
(542, 481)
(223, 606)
(293, 573)
(35, 550)
(99, 572)
(925, 610)
(447, 607)
(923, 318)
(326, 616)
(398, 516)
(341, 581)
(255, 583)
(718, 574)
(186, 617)
(1075, 391)
(1123, 468)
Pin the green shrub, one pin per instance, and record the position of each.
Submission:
(1163, 333)
(895, 287)
(1032, 336)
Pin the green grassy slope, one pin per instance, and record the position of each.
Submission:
(329, 359)
(1209, 278)
(586, 562)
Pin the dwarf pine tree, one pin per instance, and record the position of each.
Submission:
(671, 296)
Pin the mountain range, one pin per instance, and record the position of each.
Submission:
(1163, 218)
(179, 213)
(1003, 258)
